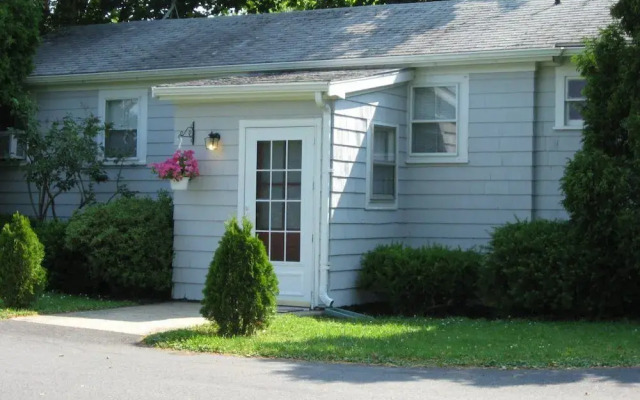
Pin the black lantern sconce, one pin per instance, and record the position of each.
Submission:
(211, 142)
(189, 132)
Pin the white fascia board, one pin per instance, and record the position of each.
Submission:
(340, 89)
(479, 57)
(281, 91)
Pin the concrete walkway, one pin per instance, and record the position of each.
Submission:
(137, 320)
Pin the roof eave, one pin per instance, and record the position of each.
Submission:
(482, 57)
(254, 92)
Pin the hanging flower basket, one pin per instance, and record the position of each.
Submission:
(179, 185)
(179, 169)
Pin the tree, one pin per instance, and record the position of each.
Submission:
(602, 182)
(19, 38)
(67, 157)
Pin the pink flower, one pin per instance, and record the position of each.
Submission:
(181, 165)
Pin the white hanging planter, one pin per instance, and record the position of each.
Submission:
(180, 185)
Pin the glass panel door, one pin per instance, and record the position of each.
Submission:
(278, 197)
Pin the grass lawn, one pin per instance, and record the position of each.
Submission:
(53, 303)
(423, 342)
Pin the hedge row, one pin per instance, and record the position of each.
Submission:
(540, 268)
(122, 249)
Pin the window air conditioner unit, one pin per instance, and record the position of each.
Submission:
(9, 147)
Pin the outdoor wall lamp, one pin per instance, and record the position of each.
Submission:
(211, 142)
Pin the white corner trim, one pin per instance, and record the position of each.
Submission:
(466, 58)
(462, 155)
(562, 73)
(340, 89)
(142, 95)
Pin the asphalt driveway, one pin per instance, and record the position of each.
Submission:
(45, 361)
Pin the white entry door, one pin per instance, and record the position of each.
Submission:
(278, 199)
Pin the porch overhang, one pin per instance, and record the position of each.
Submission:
(274, 86)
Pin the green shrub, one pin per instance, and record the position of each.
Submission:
(535, 268)
(128, 244)
(67, 270)
(241, 287)
(22, 277)
(420, 281)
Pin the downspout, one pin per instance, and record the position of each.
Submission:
(325, 190)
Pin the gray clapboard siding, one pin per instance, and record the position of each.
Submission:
(459, 204)
(200, 212)
(353, 229)
(552, 149)
(55, 105)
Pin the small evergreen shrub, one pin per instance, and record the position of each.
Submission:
(420, 281)
(22, 277)
(535, 268)
(128, 244)
(67, 270)
(241, 287)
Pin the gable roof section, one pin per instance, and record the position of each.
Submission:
(289, 85)
(350, 34)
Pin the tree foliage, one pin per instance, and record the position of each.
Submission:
(22, 277)
(602, 182)
(241, 286)
(67, 157)
(19, 38)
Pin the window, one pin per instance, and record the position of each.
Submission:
(124, 113)
(10, 149)
(439, 112)
(569, 98)
(383, 172)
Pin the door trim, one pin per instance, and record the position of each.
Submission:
(316, 124)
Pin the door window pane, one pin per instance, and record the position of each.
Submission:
(262, 215)
(277, 215)
(263, 184)
(295, 154)
(293, 246)
(277, 246)
(293, 216)
(294, 180)
(277, 188)
(264, 154)
(279, 154)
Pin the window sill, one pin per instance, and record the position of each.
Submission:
(126, 163)
(416, 159)
(381, 206)
(568, 128)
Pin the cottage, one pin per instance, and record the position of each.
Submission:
(338, 129)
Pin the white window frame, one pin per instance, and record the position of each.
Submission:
(142, 96)
(373, 202)
(562, 75)
(14, 148)
(462, 120)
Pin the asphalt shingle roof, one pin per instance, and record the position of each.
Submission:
(260, 78)
(442, 27)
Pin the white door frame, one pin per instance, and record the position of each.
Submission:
(316, 124)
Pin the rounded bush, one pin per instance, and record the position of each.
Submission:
(67, 270)
(534, 268)
(22, 277)
(128, 244)
(241, 287)
(420, 281)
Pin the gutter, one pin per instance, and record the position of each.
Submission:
(325, 190)
(478, 57)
